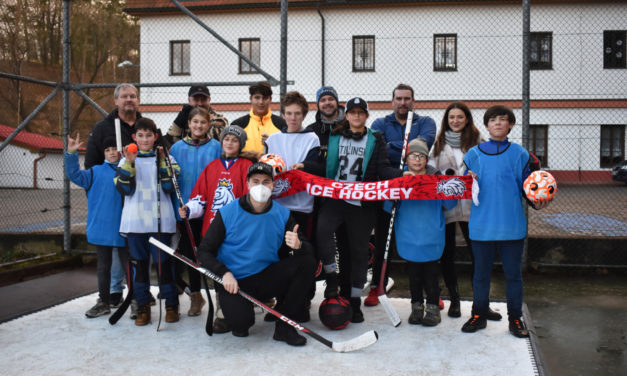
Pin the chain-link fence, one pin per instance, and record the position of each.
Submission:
(467, 52)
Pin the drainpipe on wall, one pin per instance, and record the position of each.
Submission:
(43, 155)
(322, 45)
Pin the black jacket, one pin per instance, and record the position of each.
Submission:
(104, 129)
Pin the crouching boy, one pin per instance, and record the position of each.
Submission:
(254, 244)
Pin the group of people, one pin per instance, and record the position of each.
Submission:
(271, 248)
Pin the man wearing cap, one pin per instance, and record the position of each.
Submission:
(392, 127)
(355, 154)
(329, 113)
(197, 96)
(260, 123)
(254, 244)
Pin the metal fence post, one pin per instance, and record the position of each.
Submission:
(67, 243)
(283, 78)
(526, 24)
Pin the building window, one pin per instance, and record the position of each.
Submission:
(612, 144)
(251, 48)
(363, 53)
(179, 58)
(538, 136)
(445, 52)
(541, 54)
(614, 49)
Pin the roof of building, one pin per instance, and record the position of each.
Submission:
(32, 141)
(140, 7)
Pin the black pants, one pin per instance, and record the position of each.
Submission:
(447, 261)
(104, 269)
(381, 236)
(186, 249)
(358, 223)
(424, 275)
(288, 280)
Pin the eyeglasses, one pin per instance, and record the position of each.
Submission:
(417, 157)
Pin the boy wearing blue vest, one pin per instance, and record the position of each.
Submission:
(497, 222)
(422, 251)
(104, 209)
(145, 181)
(254, 244)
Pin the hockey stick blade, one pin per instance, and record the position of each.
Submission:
(354, 344)
(115, 317)
(391, 312)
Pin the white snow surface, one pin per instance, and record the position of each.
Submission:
(62, 341)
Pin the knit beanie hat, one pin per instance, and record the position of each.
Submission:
(108, 143)
(418, 145)
(237, 132)
(326, 90)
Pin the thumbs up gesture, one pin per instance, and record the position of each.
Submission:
(291, 238)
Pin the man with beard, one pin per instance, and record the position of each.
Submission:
(329, 113)
(197, 96)
(393, 128)
(126, 109)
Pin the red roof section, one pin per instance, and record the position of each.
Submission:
(31, 141)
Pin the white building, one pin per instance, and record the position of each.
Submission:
(32, 161)
(461, 50)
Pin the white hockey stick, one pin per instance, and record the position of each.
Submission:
(354, 344)
(383, 299)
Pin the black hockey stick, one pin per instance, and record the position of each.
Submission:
(113, 319)
(190, 235)
(354, 344)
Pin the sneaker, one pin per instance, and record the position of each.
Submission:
(115, 300)
(518, 328)
(220, 325)
(475, 323)
(240, 333)
(286, 333)
(143, 315)
(198, 302)
(372, 299)
(99, 309)
(172, 313)
(432, 315)
(440, 303)
(358, 316)
(333, 283)
(417, 313)
(454, 310)
(134, 308)
(493, 315)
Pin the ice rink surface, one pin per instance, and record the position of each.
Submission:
(62, 341)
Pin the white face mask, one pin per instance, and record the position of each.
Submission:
(260, 193)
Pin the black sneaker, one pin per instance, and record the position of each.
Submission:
(115, 300)
(358, 316)
(284, 332)
(493, 315)
(475, 323)
(240, 333)
(454, 310)
(518, 328)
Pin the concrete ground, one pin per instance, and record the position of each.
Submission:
(579, 319)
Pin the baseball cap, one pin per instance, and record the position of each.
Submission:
(260, 168)
(356, 102)
(198, 90)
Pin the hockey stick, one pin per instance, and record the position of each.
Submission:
(383, 299)
(354, 344)
(190, 235)
(115, 317)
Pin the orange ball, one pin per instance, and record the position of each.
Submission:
(132, 148)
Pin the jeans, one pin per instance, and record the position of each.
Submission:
(117, 273)
(511, 257)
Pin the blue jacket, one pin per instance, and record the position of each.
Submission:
(104, 203)
(394, 133)
(501, 167)
(192, 157)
